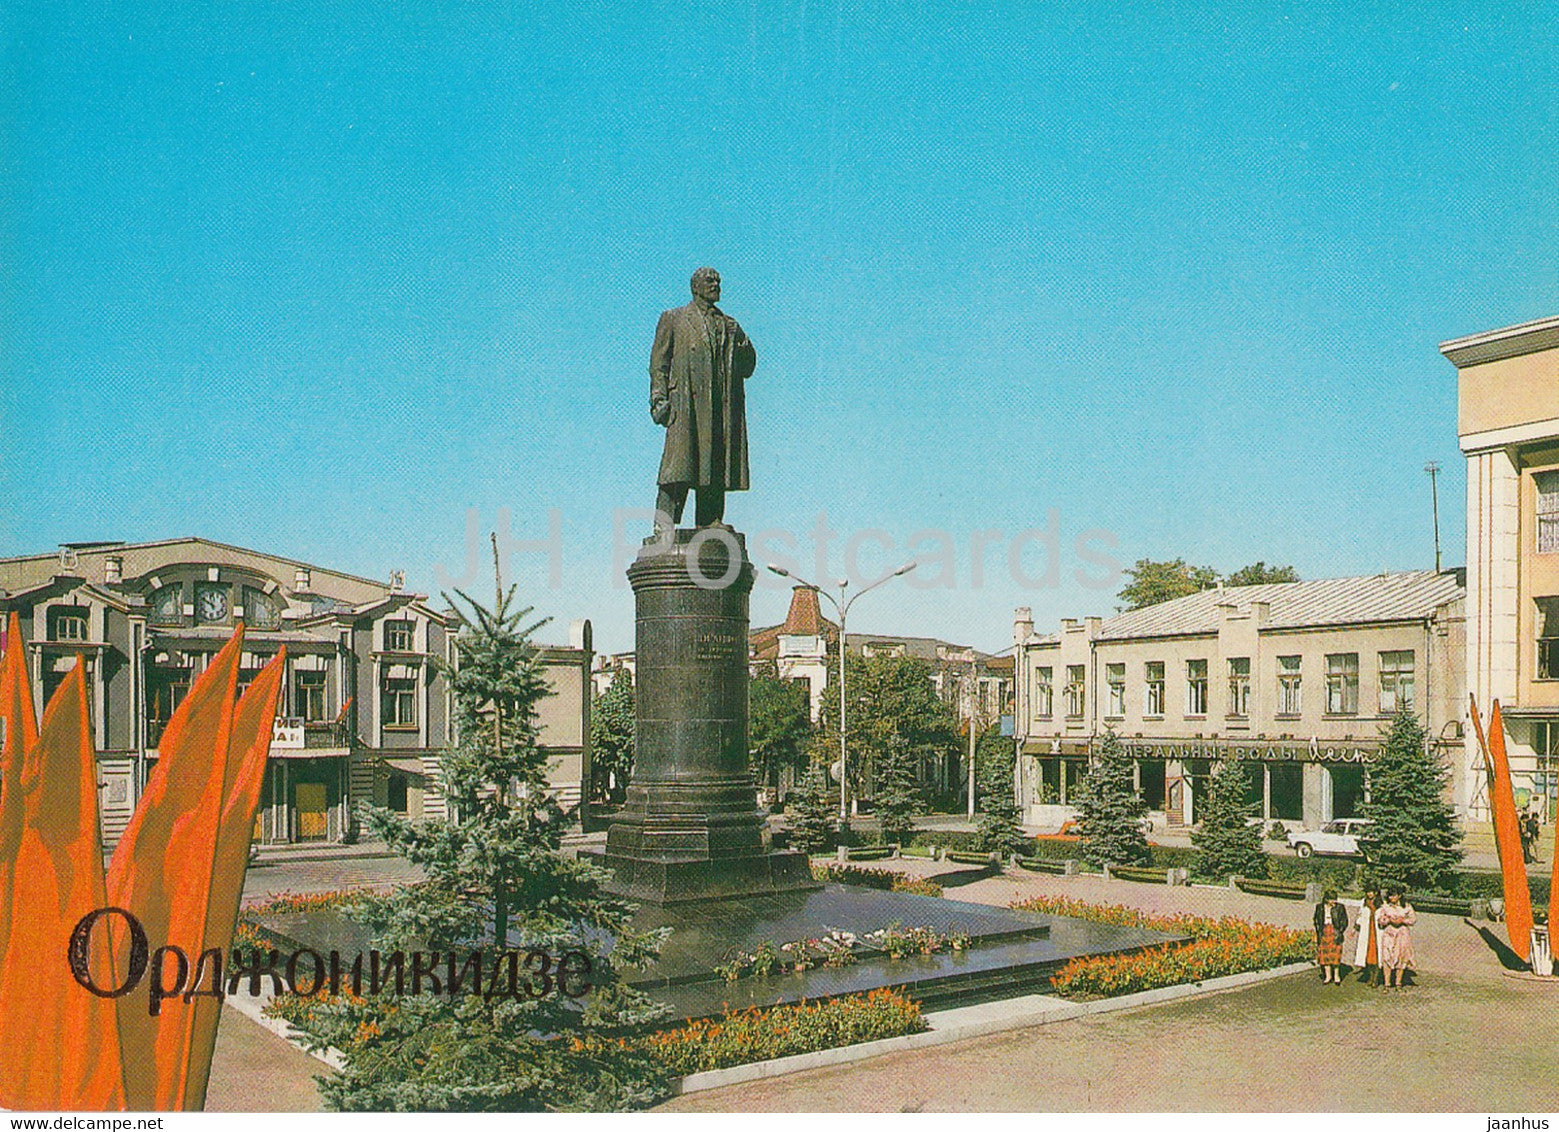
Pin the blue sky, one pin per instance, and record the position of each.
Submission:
(318, 279)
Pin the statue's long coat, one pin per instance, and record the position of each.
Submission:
(701, 398)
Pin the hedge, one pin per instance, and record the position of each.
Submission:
(884, 879)
(959, 841)
(1141, 876)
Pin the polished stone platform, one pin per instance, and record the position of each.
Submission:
(1011, 952)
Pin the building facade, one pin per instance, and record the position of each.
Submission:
(364, 712)
(1508, 427)
(1299, 678)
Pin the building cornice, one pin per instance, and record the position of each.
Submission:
(1507, 342)
(1494, 439)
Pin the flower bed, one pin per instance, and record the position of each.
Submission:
(837, 949)
(1223, 946)
(885, 879)
(781, 1031)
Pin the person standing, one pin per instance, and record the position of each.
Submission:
(1394, 920)
(1366, 955)
(1331, 920)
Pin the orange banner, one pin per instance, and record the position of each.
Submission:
(161, 872)
(1507, 834)
(251, 745)
(59, 1044)
(21, 732)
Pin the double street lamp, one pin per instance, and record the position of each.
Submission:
(842, 607)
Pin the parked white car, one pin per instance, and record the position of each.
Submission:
(1338, 838)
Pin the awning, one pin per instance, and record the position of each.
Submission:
(405, 766)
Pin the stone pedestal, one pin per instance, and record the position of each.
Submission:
(691, 827)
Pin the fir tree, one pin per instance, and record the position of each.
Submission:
(498, 882)
(1412, 839)
(1110, 811)
(814, 810)
(1228, 844)
(612, 737)
(898, 797)
(998, 829)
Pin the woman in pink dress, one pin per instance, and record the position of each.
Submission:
(1394, 922)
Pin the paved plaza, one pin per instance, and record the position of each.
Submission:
(1468, 1037)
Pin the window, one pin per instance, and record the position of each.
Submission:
(308, 696)
(1153, 704)
(165, 691)
(399, 706)
(397, 636)
(1115, 677)
(1288, 685)
(1196, 687)
(1396, 682)
(1044, 693)
(1075, 699)
(1342, 683)
(1239, 685)
(68, 624)
(1548, 638)
(1547, 512)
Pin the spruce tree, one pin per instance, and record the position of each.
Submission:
(998, 829)
(814, 811)
(612, 738)
(497, 882)
(897, 798)
(1110, 811)
(1412, 839)
(1228, 844)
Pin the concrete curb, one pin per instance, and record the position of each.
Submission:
(967, 1022)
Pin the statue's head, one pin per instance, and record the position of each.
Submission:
(706, 284)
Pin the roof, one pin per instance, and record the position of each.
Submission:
(28, 565)
(1410, 596)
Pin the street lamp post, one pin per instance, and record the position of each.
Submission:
(842, 607)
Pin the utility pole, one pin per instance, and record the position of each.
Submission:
(1433, 468)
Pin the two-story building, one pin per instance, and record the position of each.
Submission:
(1299, 679)
(1508, 426)
(364, 712)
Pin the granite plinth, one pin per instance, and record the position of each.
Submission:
(1011, 953)
(690, 827)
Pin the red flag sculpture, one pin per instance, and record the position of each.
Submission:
(20, 733)
(250, 746)
(161, 872)
(59, 1045)
(1507, 834)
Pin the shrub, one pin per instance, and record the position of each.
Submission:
(781, 1031)
(961, 842)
